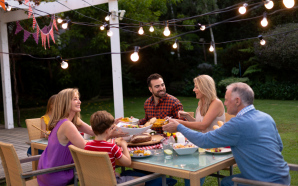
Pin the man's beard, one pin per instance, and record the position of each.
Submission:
(158, 95)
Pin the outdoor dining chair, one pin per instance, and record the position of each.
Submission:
(14, 174)
(236, 180)
(95, 168)
(33, 132)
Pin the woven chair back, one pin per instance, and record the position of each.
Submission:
(33, 132)
(228, 117)
(11, 164)
(93, 168)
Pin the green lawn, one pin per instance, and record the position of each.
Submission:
(283, 112)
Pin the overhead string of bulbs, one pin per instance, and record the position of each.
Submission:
(268, 4)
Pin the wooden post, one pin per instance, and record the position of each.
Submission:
(116, 62)
(5, 75)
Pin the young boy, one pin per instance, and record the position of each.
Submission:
(102, 124)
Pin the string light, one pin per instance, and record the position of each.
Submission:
(135, 56)
(202, 27)
(167, 31)
(65, 24)
(8, 7)
(109, 31)
(64, 64)
(102, 27)
(262, 41)
(264, 21)
(289, 3)
(141, 30)
(151, 29)
(107, 18)
(268, 4)
(242, 9)
(175, 45)
(59, 20)
(211, 48)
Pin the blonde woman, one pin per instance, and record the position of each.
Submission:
(210, 108)
(64, 125)
(45, 119)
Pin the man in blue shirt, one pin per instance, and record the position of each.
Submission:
(252, 135)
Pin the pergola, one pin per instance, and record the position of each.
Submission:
(54, 8)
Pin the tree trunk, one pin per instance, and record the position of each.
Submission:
(15, 88)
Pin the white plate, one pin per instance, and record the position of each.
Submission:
(132, 131)
(136, 156)
(223, 150)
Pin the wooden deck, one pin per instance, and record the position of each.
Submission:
(18, 137)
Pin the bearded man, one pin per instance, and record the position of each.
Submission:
(160, 104)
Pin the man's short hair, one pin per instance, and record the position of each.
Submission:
(244, 91)
(101, 121)
(153, 77)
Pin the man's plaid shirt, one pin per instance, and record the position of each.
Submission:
(167, 106)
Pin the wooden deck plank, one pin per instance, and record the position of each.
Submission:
(18, 137)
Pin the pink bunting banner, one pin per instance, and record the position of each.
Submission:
(26, 35)
(29, 11)
(26, 1)
(45, 33)
(19, 27)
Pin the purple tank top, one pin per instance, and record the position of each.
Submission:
(54, 155)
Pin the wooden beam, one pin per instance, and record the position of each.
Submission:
(47, 8)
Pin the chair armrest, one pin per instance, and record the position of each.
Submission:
(49, 170)
(31, 158)
(141, 179)
(237, 180)
(293, 167)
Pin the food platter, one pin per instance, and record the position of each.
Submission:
(155, 139)
(223, 151)
(132, 131)
(142, 155)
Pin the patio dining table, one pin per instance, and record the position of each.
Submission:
(192, 167)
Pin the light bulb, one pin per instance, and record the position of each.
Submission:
(242, 9)
(203, 27)
(151, 29)
(167, 31)
(175, 45)
(102, 27)
(8, 8)
(64, 25)
(59, 20)
(107, 18)
(141, 31)
(211, 49)
(262, 42)
(134, 57)
(269, 4)
(264, 22)
(289, 3)
(110, 33)
(64, 65)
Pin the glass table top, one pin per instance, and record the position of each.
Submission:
(191, 162)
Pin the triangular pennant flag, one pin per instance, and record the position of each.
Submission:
(52, 35)
(19, 27)
(34, 21)
(35, 36)
(37, 31)
(2, 3)
(26, 1)
(48, 36)
(55, 24)
(29, 11)
(26, 35)
(44, 30)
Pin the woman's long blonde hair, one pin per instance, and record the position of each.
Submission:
(206, 86)
(51, 103)
(62, 107)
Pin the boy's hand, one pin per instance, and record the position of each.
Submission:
(122, 143)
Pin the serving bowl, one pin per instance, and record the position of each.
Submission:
(132, 131)
(184, 149)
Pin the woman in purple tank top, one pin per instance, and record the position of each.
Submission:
(64, 125)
